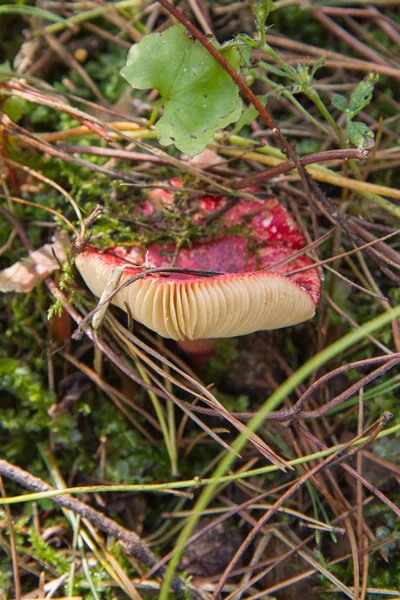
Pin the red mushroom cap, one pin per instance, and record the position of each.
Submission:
(250, 294)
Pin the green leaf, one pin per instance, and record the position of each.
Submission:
(244, 45)
(7, 366)
(317, 65)
(362, 94)
(242, 39)
(248, 116)
(271, 69)
(339, 102)
(31, 11)
(360, 135)
(14, 107)
(261, 10)
(5, 70)
(199, 96)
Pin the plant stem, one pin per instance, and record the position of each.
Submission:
(287, 94)
(286, 147)
(176, 485)
(316, 99)
(290, 71)
(370, 191)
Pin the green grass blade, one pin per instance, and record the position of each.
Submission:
(31, 11)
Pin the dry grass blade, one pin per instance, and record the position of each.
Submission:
(117, 397)
(171, 397)
(56, 186)
(32, 141)
(205, 395)
(339, 456)
(372, 488)
(13, 546)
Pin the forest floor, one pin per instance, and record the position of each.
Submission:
(166, 457)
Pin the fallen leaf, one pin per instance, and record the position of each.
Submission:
(26, 273)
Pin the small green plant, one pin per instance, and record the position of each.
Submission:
(199, 97)
(357, 133)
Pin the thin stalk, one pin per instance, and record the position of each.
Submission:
(289, 96)
(171, 421)
(316, 99)
(273, 157)
(171, 449)
(74, 520)
(86, 569)
(290, 71)
(370, 191)
(194, 483)
(169, 437)
(314, 96)
(75, 539)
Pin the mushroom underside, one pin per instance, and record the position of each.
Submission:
(224, 306)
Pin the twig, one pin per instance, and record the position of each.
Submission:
(309, 184)
(354, 473)
(297, 413)
(46, 148)
(112, 152)
(204, 395)
(284, 167)
(131, 542)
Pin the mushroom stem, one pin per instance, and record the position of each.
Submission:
(198, 351)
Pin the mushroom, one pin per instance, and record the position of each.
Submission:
(253, 291)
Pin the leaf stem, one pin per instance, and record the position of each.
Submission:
(287, 94)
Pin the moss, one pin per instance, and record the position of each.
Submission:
(227, 351)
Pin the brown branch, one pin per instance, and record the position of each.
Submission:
(214, 523)
(321, 411)
(296, 412)
(338, 455)
(385, 249)
(320, 446)
(284, 167)
(131, 542)
(349, 39)
(286, 414)
(112, 152)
